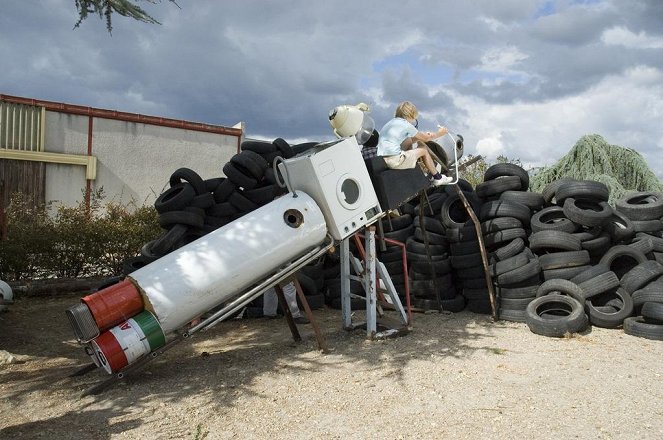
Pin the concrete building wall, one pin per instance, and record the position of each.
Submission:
(134, 160)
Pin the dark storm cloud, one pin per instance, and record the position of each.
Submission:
(281, 66)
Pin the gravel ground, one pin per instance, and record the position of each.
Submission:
(453, 376)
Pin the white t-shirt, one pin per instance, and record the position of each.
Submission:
(393, 134)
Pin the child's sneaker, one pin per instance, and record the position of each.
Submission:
(444, 180)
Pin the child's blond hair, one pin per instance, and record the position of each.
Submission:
(406, 110)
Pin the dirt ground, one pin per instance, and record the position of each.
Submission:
(454, 376)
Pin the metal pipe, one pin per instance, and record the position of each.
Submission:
(255, 292)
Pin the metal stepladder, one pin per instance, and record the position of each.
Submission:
(368, 272)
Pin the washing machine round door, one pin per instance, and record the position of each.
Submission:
(349, 191)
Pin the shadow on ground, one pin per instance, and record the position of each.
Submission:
(214, 367)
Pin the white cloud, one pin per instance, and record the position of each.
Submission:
(625, 109)
(621, 36)
(501, 59)
(490, 146)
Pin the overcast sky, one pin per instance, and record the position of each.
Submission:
(523, 78)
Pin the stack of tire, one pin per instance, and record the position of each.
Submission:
(432, 284)
(644, 282)
(312, 280)
(399, 229)
(505, 224)
(192, 207)
(465, 256)
(183, 214)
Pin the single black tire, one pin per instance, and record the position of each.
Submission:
(657, 242)
(619, 253)
(264, 194)
(190, 176)
(166, 242)
(439, 267)
(175, 198)
(416, 247)
(511, 315)
(587, 212)
(533, 200)
(641, 275)
(559, 260)
(422, 235)
(203, 201)
(401, 235)
(619, 227)
(500, 224)
(518, 292)
(652, 312)
(283, 147)
(606, 282)
(590, 273)
(495, 187)
(307, 284)
(529, 270)
(494, 239)
(453, 212)
(644, 245)
(429, 223)
(544, 241)
(515, 304)
(608, 319)
(573, 321)
(315, 302)
(637, 326)
(639, 206)
(466, 261)
(464, 247)
(508, 169)
(509, 264)
(565, 287)
(181, 217)
(651, 293)
(552, 218)
(260, 147)
(597, 245)
(397, 223)
(550, 190)
(224, 190)
(239, 201)
(501, 208)
(647, 225)
(454, 305)
(582, 189)
(238, 177)
(132, 264)
(564, 273)
(225, 209)
(245, 162)
(509, 250)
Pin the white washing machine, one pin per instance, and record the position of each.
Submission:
(335, 176)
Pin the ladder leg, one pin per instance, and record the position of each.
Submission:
(286, 312)
(346, 311)
(322, 342)
(370, 284)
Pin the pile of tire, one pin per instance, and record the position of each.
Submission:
(432, 283)
(505, 223)
(605, 255)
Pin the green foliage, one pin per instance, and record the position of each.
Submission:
(64, 241)
(592, 158)
(106, 9)
(474, 173)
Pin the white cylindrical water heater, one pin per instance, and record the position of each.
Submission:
(213, 269)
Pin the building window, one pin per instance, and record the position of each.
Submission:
(21, 127)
